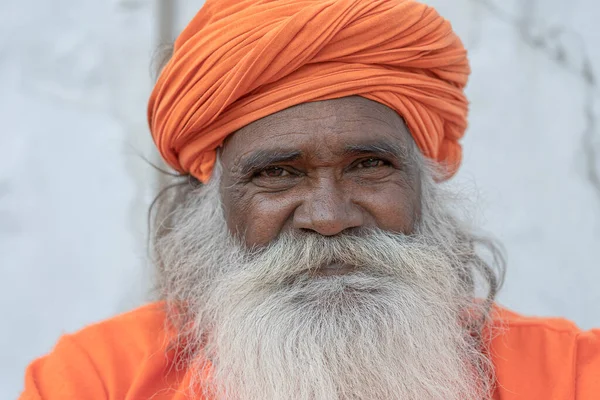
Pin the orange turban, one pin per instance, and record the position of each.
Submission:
(241, 60)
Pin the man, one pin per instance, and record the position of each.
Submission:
(308, 250)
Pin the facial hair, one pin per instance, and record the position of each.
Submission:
(259, 324)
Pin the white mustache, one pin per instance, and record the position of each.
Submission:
(372, 252)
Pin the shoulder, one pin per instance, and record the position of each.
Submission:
(544, 356)
(101, 360)
(503, 317)
(125, 345)
(137, 331)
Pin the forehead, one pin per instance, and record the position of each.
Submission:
(321, 129)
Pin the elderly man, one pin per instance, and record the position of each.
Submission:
(308, 250)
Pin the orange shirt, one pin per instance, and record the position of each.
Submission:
(124, 358)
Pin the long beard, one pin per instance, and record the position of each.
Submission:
(261, 324)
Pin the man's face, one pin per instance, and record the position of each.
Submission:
(324, 167)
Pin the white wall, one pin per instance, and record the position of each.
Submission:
(73, 191)
(533, 146)
(74, 79)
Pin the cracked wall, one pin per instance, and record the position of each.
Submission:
(533, 146)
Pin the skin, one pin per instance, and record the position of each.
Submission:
(328, 167)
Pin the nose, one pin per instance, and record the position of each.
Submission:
(327, 210)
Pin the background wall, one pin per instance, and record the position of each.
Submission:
(74, 189)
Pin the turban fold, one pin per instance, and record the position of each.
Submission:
(240, 60)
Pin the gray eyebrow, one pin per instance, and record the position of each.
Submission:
(260, 159)
(400, 152)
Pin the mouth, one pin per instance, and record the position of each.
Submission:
(334, 269)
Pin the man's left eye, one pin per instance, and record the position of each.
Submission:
(273, 172)
(372, 163)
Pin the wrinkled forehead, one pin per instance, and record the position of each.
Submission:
(322, 130)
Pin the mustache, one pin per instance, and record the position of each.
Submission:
(370, 252)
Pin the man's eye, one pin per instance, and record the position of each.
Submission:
(372, 163)
(273, 172)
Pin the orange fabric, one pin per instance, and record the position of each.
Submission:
(125, 358)
(241, 60)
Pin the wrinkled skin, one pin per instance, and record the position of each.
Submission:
(327, 167)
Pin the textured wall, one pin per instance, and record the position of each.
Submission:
(74, 76)
(73, 188)
(533, 146)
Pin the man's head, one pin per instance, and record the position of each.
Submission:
(308, 252)
(323, 260)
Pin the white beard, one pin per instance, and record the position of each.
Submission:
(267, 328)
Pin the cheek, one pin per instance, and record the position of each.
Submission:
(258, 218)
(392, 208)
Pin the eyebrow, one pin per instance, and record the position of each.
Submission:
(383, 148)
(263, 158)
